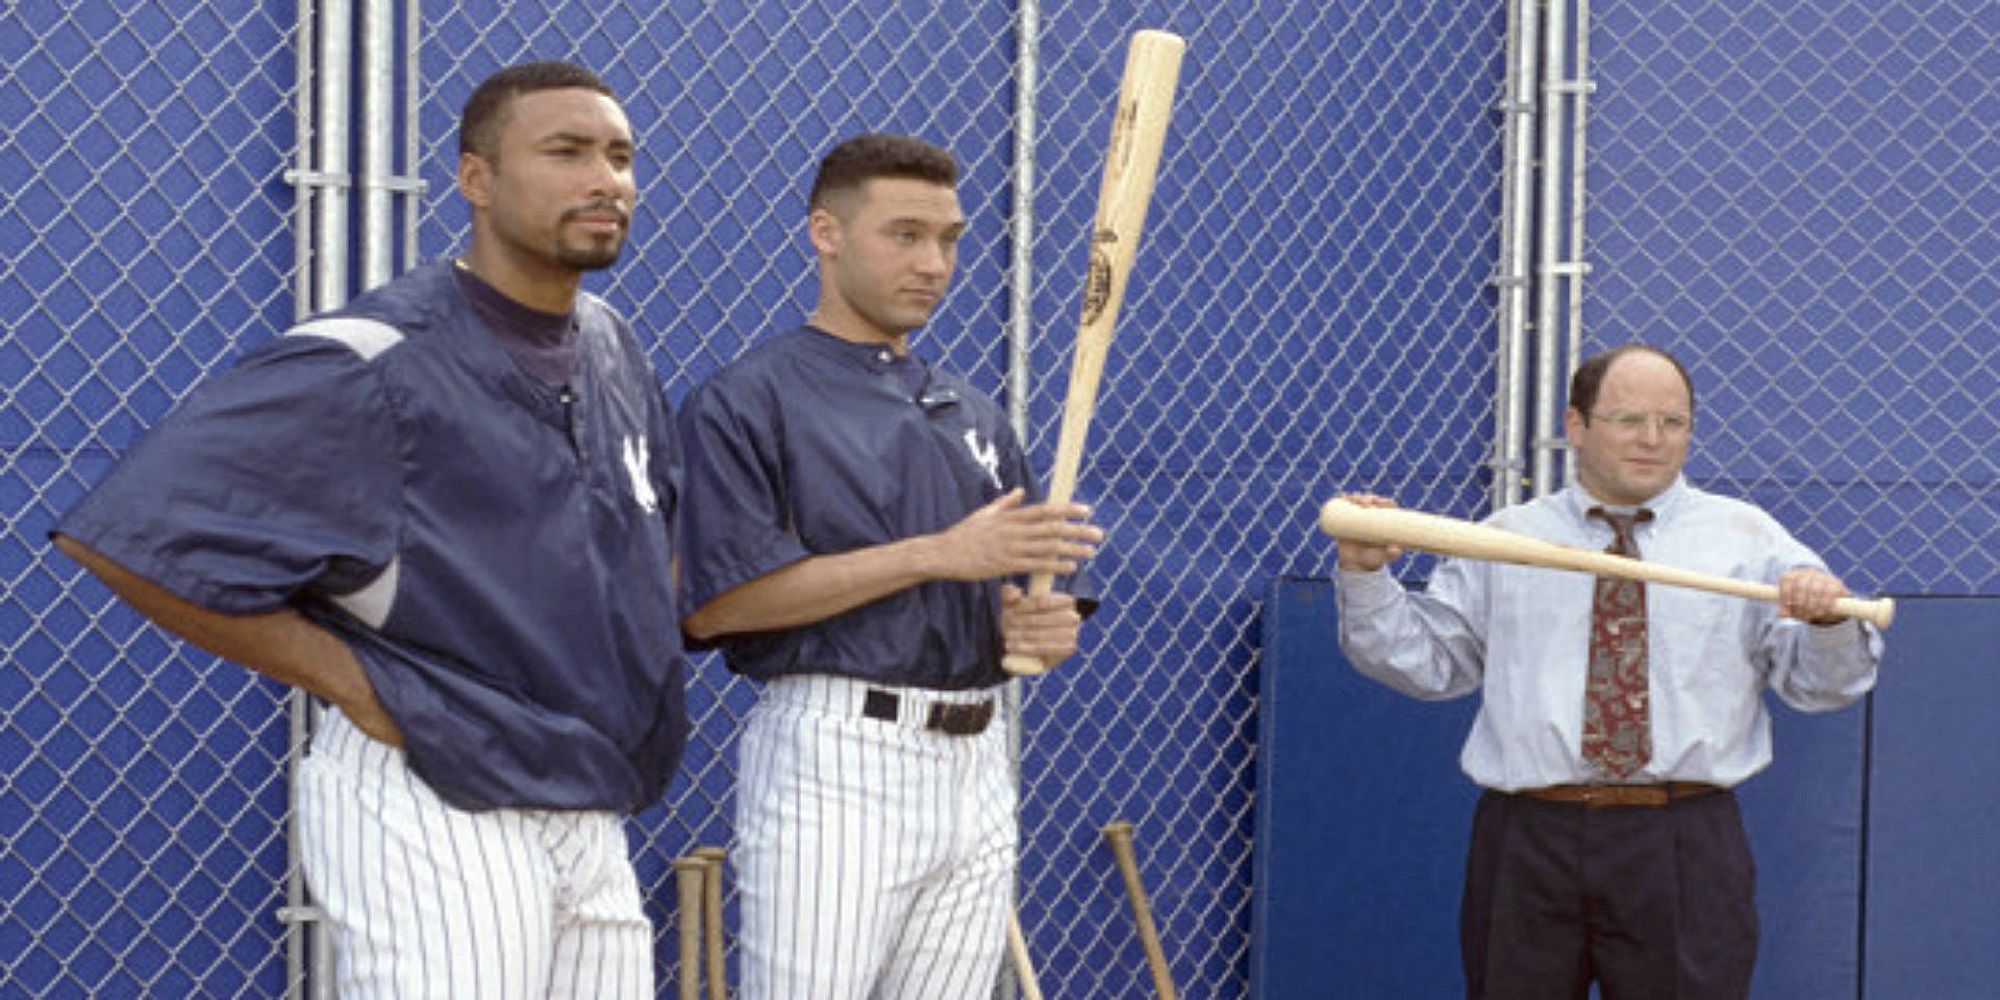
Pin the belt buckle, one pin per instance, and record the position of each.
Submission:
(960, 720)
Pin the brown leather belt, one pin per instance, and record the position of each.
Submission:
(1600, 796)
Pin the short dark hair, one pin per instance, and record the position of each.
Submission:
(485, 114)
(1589, 376)
(866, 157)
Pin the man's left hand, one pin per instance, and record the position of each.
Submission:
(1808, 595)
(1043, 627)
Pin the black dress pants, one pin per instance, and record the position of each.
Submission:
(1649, 902)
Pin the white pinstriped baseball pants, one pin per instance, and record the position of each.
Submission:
(425, 900)
(876, 859)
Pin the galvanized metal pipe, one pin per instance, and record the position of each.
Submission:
(1548, 353)
(1579, 163)
(1020, 333)
(334, 96)
(412, 156)
(378, 141)
(1514, 280)
(1021, 221)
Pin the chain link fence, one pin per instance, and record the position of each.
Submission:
(1310, 314)
(141, 840)
(1799, 199)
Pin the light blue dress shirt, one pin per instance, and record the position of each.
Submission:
(1522, 636)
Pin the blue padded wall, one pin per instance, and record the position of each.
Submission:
(1933, 905)
(1361, 821)
(1804, 814)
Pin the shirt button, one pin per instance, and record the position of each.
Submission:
(883, 357)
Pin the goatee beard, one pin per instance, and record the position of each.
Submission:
(591, 258)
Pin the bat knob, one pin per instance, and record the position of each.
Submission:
(1023, 665)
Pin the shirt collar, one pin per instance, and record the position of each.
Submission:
(873, 357)
(1662, 503)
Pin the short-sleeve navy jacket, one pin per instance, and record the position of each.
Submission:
(813, 445)
(496, 552)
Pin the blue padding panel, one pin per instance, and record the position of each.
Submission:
(1362, 815)
(1804, 816)
(1933, 908)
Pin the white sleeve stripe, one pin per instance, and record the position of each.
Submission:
(371, 603)
(366, 337)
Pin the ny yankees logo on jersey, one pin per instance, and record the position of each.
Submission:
(988, 456)
(637, 467)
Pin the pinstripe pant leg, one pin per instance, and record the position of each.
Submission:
(603, 940)
(827, 867)
(956, 935)
(422, 899)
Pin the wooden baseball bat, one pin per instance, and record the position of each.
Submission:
(1453, 537)
(712, 859)
(1024, 967)
(1138, 132)
(687, 880)
(1119, 835)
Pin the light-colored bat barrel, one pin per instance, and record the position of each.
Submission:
(712, 859)
(688, 874)
(1119, 835)
(1453, 537)
(1131, 163)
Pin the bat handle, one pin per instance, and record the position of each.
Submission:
(689, 873)
(1119, 835)
(712, 859)
(1021, 664)
(1878, 612)
(1024, 967)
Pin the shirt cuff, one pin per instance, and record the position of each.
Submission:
(1366, 590)
(1833, 638)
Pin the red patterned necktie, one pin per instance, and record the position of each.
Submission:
(1617, 736)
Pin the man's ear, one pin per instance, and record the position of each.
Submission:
(1573, 422)
(824, 229)
(475, 179)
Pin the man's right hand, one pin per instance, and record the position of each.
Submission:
(283, 645)
(366, 712)
(1005, 538)
(1366, 557)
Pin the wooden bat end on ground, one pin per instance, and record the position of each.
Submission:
(689, 875)
(1119, 834)
(1024, 966)
(712, 859)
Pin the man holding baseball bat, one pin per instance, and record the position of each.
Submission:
(852, 512)
(1616, 716)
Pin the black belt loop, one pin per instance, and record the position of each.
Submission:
(944, 717)
(880, 704)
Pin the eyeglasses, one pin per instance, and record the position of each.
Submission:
(1672, 425)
